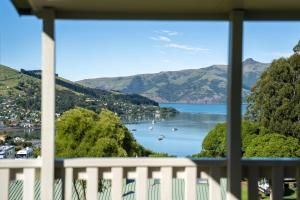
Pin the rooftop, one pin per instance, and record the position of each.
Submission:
(158, 9)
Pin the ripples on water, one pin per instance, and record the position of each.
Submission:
(193, 124)
(192, 128)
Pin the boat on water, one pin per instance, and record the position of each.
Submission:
(174, 129)
(134, 129)
(151, 128)
(161, 137)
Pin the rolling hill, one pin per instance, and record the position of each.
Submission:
(20, 99)
(203, 85)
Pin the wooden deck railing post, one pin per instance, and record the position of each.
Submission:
(117, 183)
(166, 183)
(214, 184)
(277, 183)
(48, 104)
(298, 182)
(141, 183)
(190, 191)
(4, 181)
(234, 87)
(253, 173)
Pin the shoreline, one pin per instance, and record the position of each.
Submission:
(9, 129)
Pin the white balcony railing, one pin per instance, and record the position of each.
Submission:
(143, 169)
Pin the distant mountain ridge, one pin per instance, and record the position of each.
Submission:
(20, 99)
(203, 85)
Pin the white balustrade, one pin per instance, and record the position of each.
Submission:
(22, 170)
(143, 169)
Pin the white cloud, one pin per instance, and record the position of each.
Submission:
(170, 33)
(164, 36)
(187, 48)
(161, 38)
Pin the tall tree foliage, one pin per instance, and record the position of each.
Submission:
(275, 99)
(296, 48)
(83, 133)
(257, 141)
(273, 145)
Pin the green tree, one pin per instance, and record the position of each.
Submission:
(296, 48)
(214, 144)
(37, 152)
(83, 133)
(275, 99)
(273, 145)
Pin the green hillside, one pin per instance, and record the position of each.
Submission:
(20, 99)
(204, 85)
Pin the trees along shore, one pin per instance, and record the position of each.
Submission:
(271, 126)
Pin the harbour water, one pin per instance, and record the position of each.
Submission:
(179, 136)
(192, 124)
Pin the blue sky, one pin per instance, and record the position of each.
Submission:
(89, 49)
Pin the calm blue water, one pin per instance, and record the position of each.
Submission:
(201, 108)
(193, 124)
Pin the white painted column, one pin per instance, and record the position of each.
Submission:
(48, 104)
(190, 191)
(29, 182)
(214, 185)
(117, 183)
(68, 184)
(4, 180)
(234, 88)
(141, 186)
(92, 183)
(166, 183)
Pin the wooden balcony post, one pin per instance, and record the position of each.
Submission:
(166, 183)
(48, 104)
(298, 182)
(234, 87)
(4, 181)
(277, 183)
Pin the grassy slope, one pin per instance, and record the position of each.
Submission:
(9, 78)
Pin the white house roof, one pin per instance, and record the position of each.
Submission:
(25, 150)
(5, 148)
(163, 9)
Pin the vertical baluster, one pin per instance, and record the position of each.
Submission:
(190, 183)
(214, 183)
(92, 183)
(252, 183)
(117, 179)
(166, 183)
(298, 183)
(4, 188)
(141, 183)
(68, 184)
(277, 183)
(28, 183)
